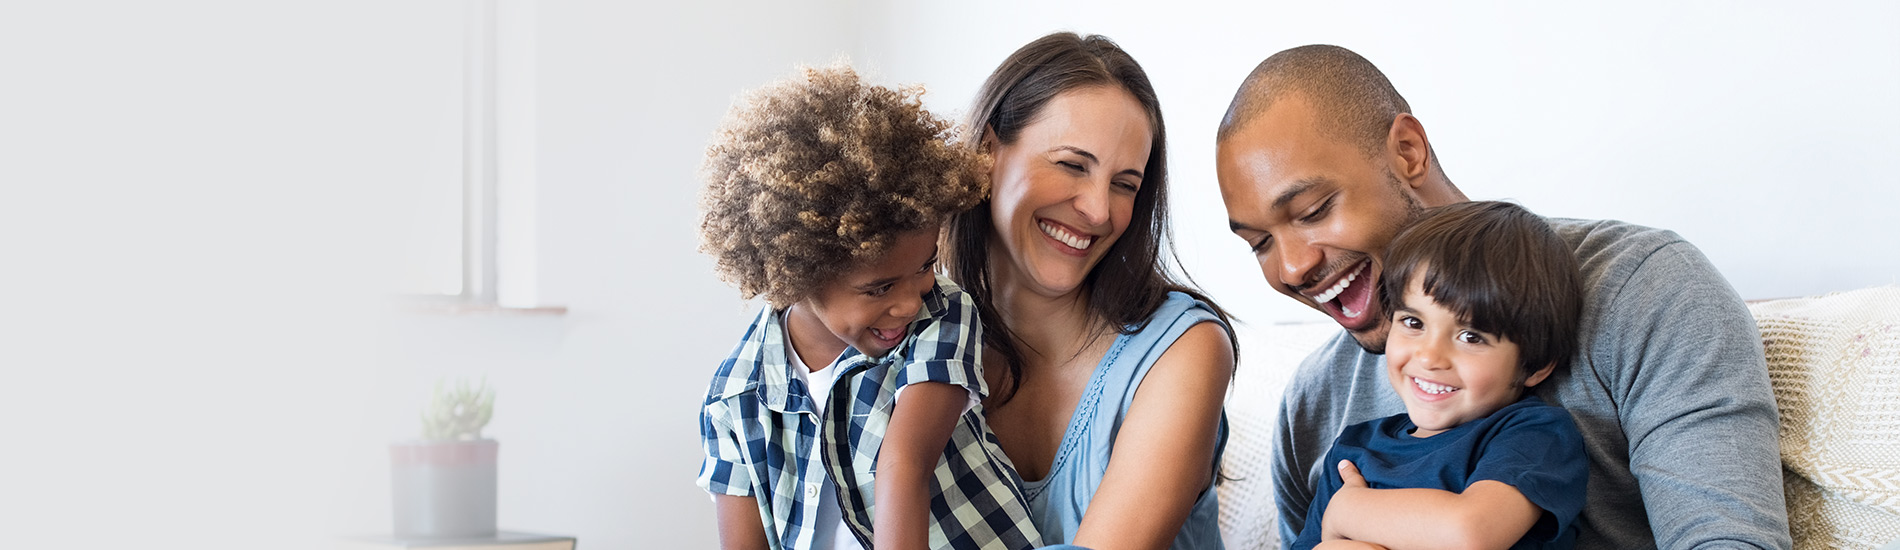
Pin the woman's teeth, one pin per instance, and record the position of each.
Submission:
(1337, 288)
(1433, 388)
(1078, 242)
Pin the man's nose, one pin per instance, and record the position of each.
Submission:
(1299, 261)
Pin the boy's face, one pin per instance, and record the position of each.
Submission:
(1447, 372)
(869, 308)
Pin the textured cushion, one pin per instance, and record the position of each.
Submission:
(1268, 356)
(1835, 364)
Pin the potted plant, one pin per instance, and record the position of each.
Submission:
(443, 486)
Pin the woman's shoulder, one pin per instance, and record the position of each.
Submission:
(1181, 306)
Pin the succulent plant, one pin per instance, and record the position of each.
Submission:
(457, 414)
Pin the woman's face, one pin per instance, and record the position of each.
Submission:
(1065, 190)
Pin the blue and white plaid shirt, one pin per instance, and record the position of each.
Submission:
(758, 426)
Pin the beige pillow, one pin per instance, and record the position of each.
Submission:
(1835, 365)
(1269, 354)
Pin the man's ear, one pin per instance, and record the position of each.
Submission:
(1410, 151)
(1540, 375)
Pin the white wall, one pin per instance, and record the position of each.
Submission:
(597, 409)
(197, 198)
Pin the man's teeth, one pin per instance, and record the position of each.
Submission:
(1433, 388)
(1337, 288)
(1066, 237)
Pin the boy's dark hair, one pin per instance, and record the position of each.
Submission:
(811, 176)
(1501, 269)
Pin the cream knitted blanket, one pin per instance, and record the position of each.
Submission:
(1835, 364)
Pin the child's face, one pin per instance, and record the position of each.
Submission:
(870, 308)
(1447, 372)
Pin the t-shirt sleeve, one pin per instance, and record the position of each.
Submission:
(724, 470)
(1540, 452)
(947, 346)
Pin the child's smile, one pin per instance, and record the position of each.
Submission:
(1447, 372)
(868, 308)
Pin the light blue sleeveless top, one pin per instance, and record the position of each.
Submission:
(1057, 501)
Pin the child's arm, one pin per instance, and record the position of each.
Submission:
(920, 430)
(1488, 514)
(739, 525)
(1343, 544)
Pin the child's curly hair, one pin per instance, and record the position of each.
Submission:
(811, 176)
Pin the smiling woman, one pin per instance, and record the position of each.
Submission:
(1080, 311)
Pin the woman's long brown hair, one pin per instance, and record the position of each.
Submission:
(1131, 281)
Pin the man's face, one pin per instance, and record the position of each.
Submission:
(1317, 212)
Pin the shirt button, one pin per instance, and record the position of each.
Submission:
(811, 490)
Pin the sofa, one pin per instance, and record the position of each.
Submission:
(1834, 362)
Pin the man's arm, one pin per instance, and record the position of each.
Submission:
(1488, 514)
(1696, 406)
(920, 430)
(1291, 494)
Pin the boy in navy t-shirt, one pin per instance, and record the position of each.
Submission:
(1485, 301)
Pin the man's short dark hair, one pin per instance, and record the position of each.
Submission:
(1353, 99)
(1501, 269)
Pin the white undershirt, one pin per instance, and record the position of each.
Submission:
(829, 513)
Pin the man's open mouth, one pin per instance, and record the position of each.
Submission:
(1349, 299)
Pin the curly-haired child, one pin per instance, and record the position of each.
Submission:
(827, 195)
(1485, 300)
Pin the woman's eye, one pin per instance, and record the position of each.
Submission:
(1070, 165)
(1129, 187)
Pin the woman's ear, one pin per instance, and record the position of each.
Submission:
(1540, 375)
(989, 140)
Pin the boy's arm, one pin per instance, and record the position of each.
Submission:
(739, 525)
(919, 431)
(1488, 514)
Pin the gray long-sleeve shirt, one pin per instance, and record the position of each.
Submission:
(1669, 388)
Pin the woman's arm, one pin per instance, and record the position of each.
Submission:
(1164, 454)
(920, 430)
(1488, 514)
(739, 525)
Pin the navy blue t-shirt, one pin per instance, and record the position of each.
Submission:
(1529, 445)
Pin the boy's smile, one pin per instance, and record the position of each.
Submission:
(868, 308)
(1447, 372)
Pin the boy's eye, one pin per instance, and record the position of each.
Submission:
(879, 291)
(1410, 322)
(1470, 337)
